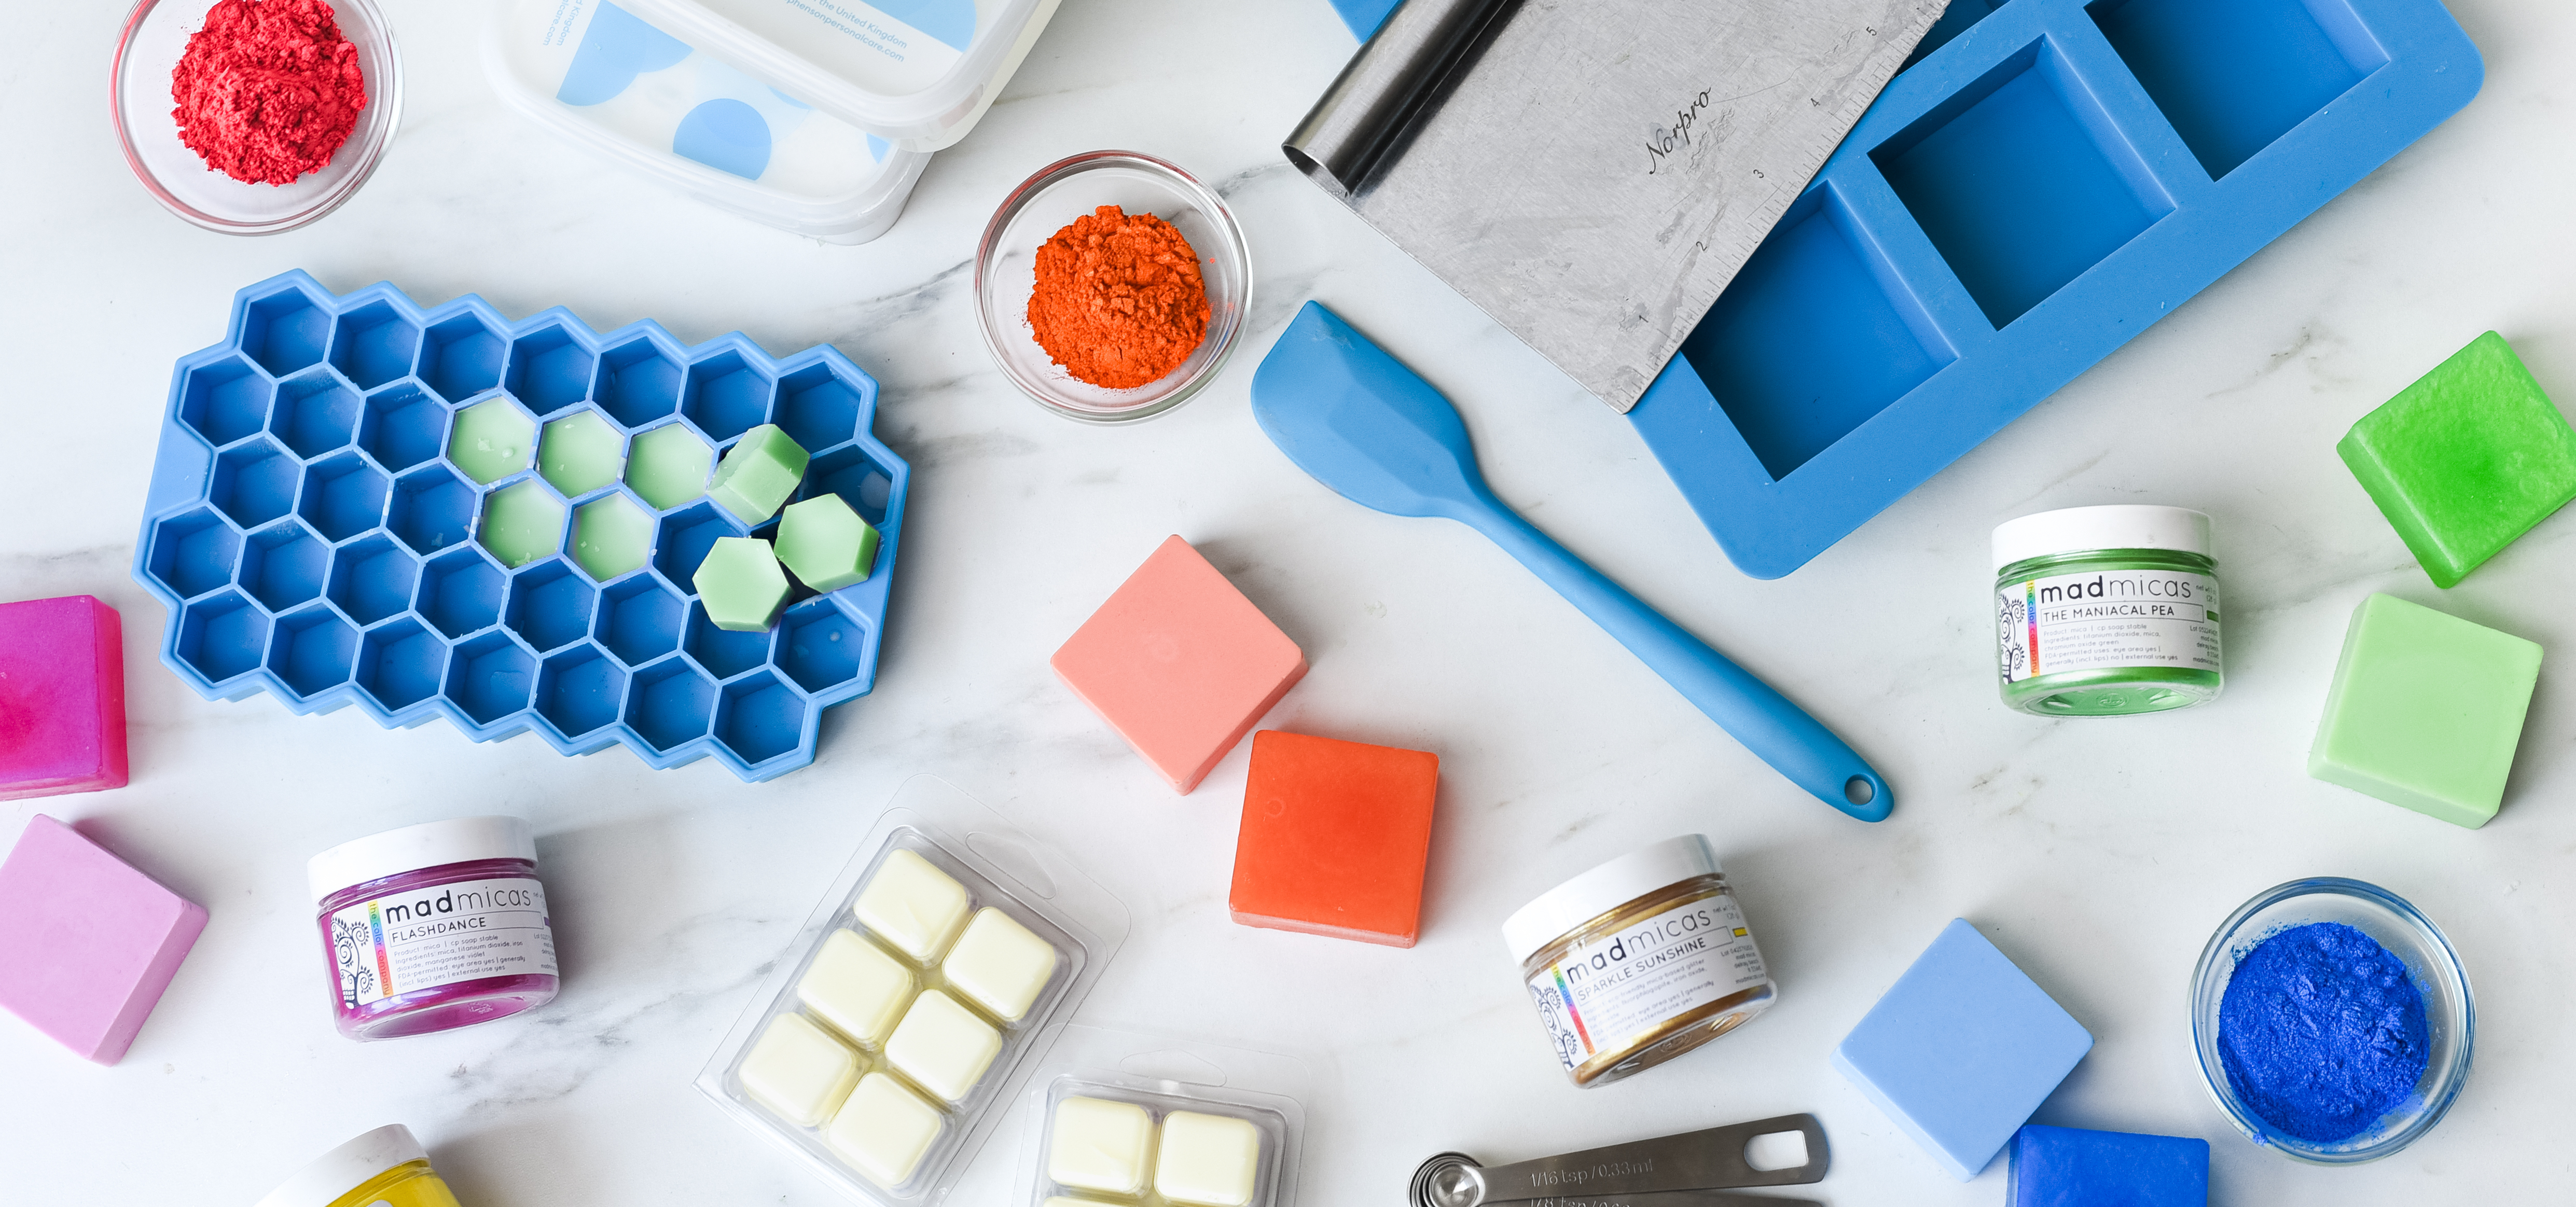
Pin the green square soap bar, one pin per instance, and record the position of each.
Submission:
(2425, 711)
(2466, 459)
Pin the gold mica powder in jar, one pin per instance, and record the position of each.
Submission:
(1639, 960)
(383, 1168)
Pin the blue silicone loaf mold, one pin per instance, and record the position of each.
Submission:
(2050, 178)
(313, 538)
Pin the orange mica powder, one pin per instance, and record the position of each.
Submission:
(1119, 301)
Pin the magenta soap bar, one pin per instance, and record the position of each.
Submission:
(87, 943)
(62, 697)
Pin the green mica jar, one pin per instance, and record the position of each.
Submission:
(2106, 611)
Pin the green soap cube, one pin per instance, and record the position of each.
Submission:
(740, 584)
(2425, 711)
(758, 474)
(827, 544)
(2466, 459)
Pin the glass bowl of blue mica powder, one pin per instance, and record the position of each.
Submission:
(2333, 1021)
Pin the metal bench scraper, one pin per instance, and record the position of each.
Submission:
(1592, 173)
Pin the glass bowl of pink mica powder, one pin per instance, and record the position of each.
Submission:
(2432, 966)
(156, 35)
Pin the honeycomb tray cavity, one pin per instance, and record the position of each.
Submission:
(2049, 180)
(441, 513)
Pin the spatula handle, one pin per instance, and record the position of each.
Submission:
(1775, 730)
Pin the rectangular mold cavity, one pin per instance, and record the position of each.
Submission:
(2021, 181)
(1815, 335)
(2233, 76)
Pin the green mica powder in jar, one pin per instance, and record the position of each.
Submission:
(2106, 611)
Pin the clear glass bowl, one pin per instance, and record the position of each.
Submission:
(1006, 273)
(2450, 1015)
(156, 34)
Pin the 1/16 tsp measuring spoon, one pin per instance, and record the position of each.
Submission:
(1361, 423)
(1692, 1169)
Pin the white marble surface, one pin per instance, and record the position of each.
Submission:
(2098, 854)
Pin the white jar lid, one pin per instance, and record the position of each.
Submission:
(1605, 888)
(411, 848)
(2120, 526)
(347, 1167)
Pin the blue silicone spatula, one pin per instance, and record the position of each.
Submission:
(1360, 422)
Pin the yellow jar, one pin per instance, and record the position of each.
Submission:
(1639, 960)
(383, 1168)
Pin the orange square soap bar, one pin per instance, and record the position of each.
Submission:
(1334, 838)
(1179, 663)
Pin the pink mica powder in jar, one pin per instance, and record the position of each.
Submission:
(433, 927)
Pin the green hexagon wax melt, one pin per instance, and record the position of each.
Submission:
(827, 544)
(758, 474)
(741, 585)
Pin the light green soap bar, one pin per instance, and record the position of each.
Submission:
(2465, 460)
(2425, 711)
(740, 584)
(827, 544)
(758, 474)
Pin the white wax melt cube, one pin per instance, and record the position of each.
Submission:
(1000, 964)
(857, 988)
(883, 1130)
(1096, 1144)
(913, 905)
(1207, 1160)
(799, 1071)
(942, 1046)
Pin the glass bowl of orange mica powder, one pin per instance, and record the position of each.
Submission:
(1007, 267)
(156, 37)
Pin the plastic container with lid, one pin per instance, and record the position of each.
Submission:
(433, 927)
(2106, 611)
(919, 72)
(382, 1168)
(696, 116)
(1639, 960)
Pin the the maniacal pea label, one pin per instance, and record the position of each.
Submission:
(1602, 995)
(424, 938)
(2106, 619)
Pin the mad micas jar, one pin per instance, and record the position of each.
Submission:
(434, 926)
(1638, 961)
(2106, 611)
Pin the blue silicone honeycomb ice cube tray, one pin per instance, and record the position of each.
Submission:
(2045, 182)
(313, 538)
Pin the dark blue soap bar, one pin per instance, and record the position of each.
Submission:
(2071, 1167)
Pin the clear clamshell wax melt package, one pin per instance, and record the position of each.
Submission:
(624, 83)
(1133, 1117)
(918, 1000)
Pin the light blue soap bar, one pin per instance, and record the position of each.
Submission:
(1962, 1049)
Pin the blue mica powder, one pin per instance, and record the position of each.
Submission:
(2322, 1031)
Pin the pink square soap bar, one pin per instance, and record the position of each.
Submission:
(62, 697)
(87, 943)
(1179, 663)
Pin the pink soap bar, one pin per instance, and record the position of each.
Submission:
(87, 944)
(1180, 663)
(62, 697)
